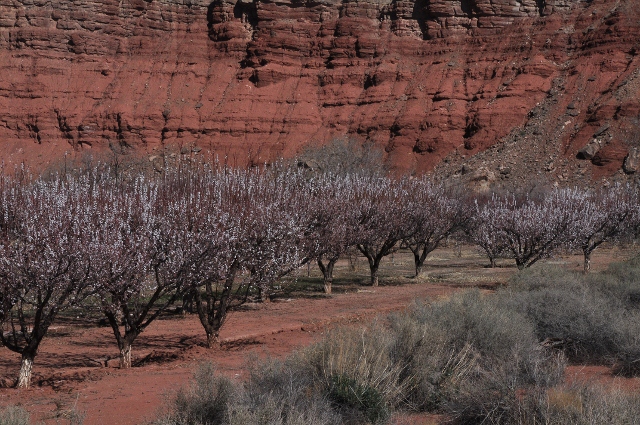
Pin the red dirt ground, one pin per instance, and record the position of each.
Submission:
(70, 370)
(68, 373)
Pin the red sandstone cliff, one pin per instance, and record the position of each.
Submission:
(433, 81)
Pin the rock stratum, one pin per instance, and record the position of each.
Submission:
(482, 88)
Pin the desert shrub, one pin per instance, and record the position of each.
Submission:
(620, 281)
(627, 355)
(544, 276)
(473, 357)
(590, 318)
(468, 356)
(13, 415)
(272, 413)
(283, 392)
(471, 318)
(348, 377)
(574, 318)
(591, 405)
(345, 156)
(490, 394)
(579, 404)
(205, 402)
(277, 393)
(356, 371)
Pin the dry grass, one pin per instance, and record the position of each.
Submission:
(474, 358)
(593, 318)
(13, 415)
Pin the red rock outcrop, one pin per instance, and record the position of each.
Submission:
(430, 80)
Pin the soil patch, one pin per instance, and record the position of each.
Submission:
(79, 369)
(76, 367)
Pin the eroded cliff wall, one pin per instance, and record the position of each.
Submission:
(430, 80)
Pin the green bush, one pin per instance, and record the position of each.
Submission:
(353, 396)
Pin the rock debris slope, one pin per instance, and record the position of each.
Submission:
(553, 84)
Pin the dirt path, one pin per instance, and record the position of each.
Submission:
(76, 365)
(70, 366)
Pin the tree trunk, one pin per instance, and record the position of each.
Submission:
(327, 284)
(493, 262)
(374, 262)
(420, 252)
(213, 312)
(374, 276)
(353, 262)
(125, 356)
(187, 302)
(418, 263)
(327, 273)
(587, 261)
(26, 366)
(263, 294)
(213, 339)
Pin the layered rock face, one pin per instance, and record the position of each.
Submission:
(252, 80)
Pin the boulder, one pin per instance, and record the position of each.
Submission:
(590, 150)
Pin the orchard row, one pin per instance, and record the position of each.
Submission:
(134, 246)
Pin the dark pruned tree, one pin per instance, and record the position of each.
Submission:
(433, 213)
(606, 214)
(43, 266)
(381, 223)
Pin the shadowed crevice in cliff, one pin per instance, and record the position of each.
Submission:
(247, 13)
(419, 14)
(467, 7)
(541, 5)
(210, 20)
(243, 15)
